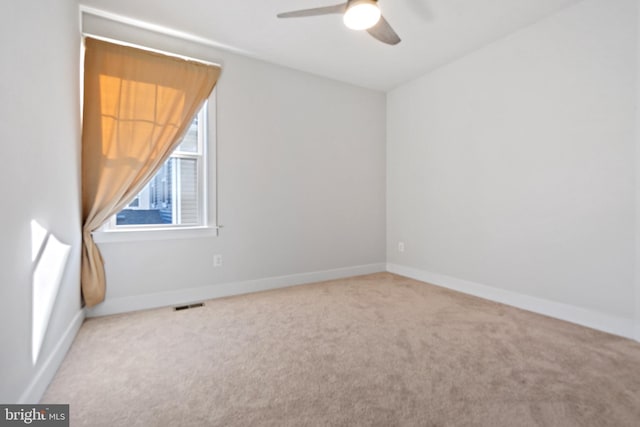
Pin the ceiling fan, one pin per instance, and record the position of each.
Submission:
(358, 15)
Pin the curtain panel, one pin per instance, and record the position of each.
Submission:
(137, 107)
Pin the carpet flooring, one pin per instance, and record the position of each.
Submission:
(375, 350)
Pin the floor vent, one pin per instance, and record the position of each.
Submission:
(184, 307)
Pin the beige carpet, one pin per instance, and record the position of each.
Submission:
(376, 350)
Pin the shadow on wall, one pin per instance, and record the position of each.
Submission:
(49, 258)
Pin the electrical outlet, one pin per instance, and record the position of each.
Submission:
(217, 260)
(400, 246)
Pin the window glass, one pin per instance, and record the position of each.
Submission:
(174, 196)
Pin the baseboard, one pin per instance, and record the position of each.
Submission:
(581, 316)
(186, 296)
(49, 367)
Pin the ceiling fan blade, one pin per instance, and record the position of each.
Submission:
(383, 32)
(327, 10)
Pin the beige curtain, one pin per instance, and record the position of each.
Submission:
(137, 107)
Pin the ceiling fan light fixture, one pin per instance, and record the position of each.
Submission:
(362, 14)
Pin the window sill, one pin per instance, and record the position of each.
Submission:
(116, 236)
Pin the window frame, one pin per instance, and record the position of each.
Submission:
(110, 232)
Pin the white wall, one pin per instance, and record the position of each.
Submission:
(514, 166)
(301, 179)
(637, 194)
(39, 133)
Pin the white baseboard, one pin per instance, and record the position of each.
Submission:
(49, 367)
(191, 295)
(581, 316)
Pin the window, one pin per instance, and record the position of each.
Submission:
(176, 197)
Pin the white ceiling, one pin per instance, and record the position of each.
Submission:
(433, 32)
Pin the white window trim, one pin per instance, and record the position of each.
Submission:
(114, 236)
(207, 228)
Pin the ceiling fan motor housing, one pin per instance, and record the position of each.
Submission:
(361, 14)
